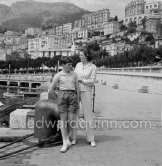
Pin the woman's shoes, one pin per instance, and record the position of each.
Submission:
(73, 142)
(68, 143)
(93, 143)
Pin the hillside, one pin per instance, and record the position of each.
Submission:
(24, 14)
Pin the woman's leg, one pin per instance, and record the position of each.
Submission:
(86, 100)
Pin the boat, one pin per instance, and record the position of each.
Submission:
(12, 95)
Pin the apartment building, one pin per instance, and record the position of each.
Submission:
(2, 55)
(153, 25)
(80, 33)
(94, 21)
(33, 48)
(12, 38)
(59, 30)
(115, 48)
(153, 8)
(111, 27)
(47, 46)
(67, 28)
(51, 31)
(137, 10)
(32, 31)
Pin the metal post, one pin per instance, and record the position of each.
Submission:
(94, 91)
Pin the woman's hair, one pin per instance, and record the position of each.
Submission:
(88, 53)
(65, 59)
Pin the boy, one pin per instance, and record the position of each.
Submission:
(68, 98)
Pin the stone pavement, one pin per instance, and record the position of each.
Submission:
(121, 146)
(118, 147)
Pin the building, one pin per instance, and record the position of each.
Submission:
(80, 33)
(111, 27)
(115, 48)
(48, 46)
(153, 25)
(33, 31)
(135, 7)
(153, 8)
(33, 48)
(67, 28)
(12, 38)
(2, 55)
(94, 21)
(51, 31)
(137, 10)
(158, 42)
(59, 30)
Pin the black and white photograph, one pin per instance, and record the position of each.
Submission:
(80, 82)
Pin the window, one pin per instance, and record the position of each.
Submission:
(146, 7)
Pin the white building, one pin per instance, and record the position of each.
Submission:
(33, 31)
(158, 42)
(33, 48)
(94, 21)
(114, 49)
(67, 28)
(80, 33)
(139, 9)
(154, 8)
(111, 27)
(48, 46)
(2, 55)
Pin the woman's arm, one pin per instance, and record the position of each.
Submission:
(92, 79)
(77, 87)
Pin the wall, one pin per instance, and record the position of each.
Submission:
(131, 82)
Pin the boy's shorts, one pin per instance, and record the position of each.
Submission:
(67, 101)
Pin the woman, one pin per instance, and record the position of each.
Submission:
(86, 72)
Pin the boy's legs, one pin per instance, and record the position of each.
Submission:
(63, 117)
(73, 135)
(63, 109)
(72, 116)
(71, 123)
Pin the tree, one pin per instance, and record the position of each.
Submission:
(116, 18)
(143, 21)
(150, 39)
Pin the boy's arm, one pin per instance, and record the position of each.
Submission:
(54, 83)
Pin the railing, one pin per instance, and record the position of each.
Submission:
(152, 69)
(31, 77)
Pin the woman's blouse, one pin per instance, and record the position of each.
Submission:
(86, 73)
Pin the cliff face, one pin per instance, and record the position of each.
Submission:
(31, 13)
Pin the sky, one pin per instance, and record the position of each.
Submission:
(116, 7)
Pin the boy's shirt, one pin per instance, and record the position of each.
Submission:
(66, 81)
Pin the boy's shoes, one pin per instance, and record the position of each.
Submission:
(64, 148)
(93, 143)
(73, 142)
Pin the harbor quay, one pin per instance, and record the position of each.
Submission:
(128, 145)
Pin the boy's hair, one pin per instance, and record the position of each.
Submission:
(65, 59)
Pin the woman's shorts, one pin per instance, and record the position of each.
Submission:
(67, 101)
